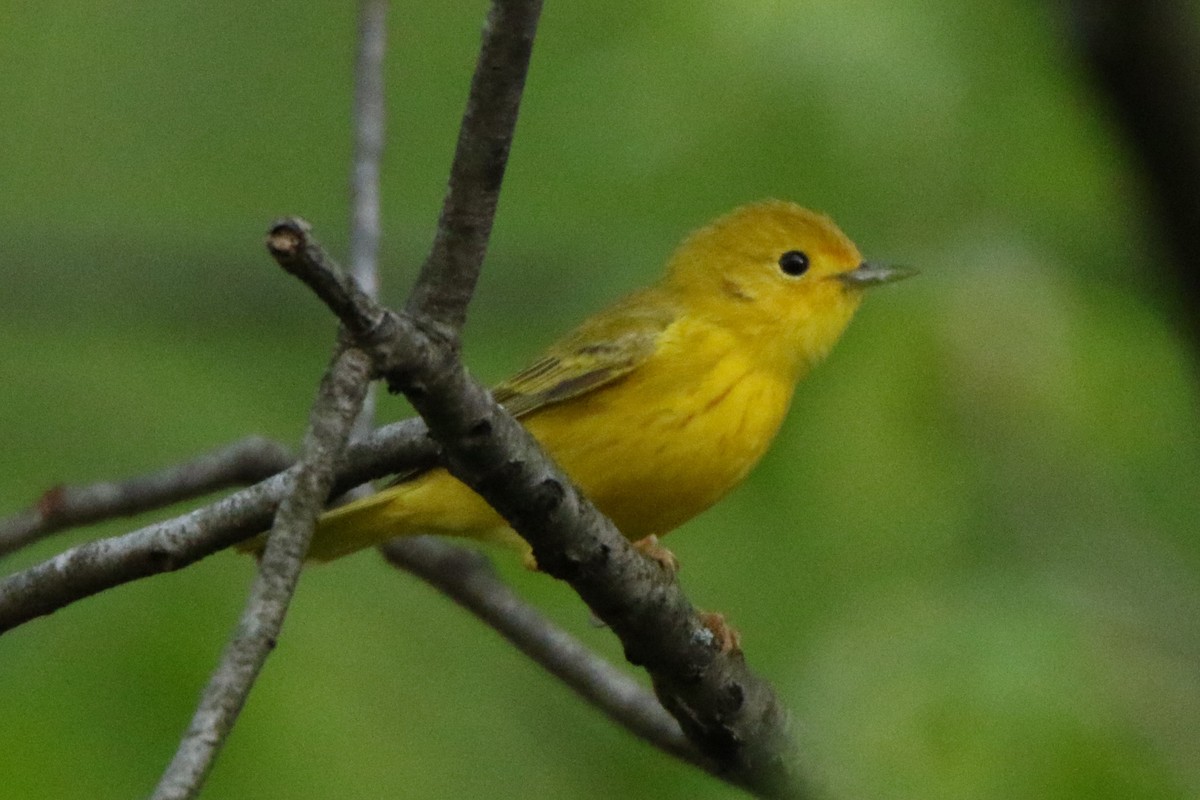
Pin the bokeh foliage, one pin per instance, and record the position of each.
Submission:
(970, 561)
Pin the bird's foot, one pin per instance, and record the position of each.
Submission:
(726, 638)
(650, 547)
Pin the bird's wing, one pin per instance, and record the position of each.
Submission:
(598, 352)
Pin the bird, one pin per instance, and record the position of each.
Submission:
(659, 405)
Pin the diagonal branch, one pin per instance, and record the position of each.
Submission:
(448, 277)
(288, 241)
(467, 577)
(338, 402)
(730, 714)
(65, 507)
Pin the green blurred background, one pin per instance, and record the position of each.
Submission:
(969, 563)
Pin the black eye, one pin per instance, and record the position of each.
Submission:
(793, 262)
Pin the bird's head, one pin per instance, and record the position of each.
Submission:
(778, 273)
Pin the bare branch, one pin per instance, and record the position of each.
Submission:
(337, 405)
(448, 277)
(368, 117)
(288, 241)
(467, 577)
(102, 564)
(63, 507)
(731, 714)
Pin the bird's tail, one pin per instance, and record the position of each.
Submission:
(431, 503)
(346, 529)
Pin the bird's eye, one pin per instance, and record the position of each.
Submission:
(794, 263)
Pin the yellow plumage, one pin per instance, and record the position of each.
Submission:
(659, 405)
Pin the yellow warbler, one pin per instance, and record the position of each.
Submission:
(659, 405)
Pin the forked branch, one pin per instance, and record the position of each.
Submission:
(63, 507)
(172, 544)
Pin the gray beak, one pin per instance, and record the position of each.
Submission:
(868, 274)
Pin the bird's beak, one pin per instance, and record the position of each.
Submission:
(868, 274)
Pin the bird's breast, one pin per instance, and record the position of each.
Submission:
(664, 443)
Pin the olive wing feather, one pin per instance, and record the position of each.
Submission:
(598, 352)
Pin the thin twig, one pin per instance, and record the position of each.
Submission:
(63, 507)
(369, 130)
(288, 241)
(337, 405)
(368, 123)
(448, 277)
(468, 578)
(169, 545)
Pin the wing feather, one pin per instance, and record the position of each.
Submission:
(598, 352)
(604, 348)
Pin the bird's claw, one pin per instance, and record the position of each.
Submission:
(725, 637)
(650, 547)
